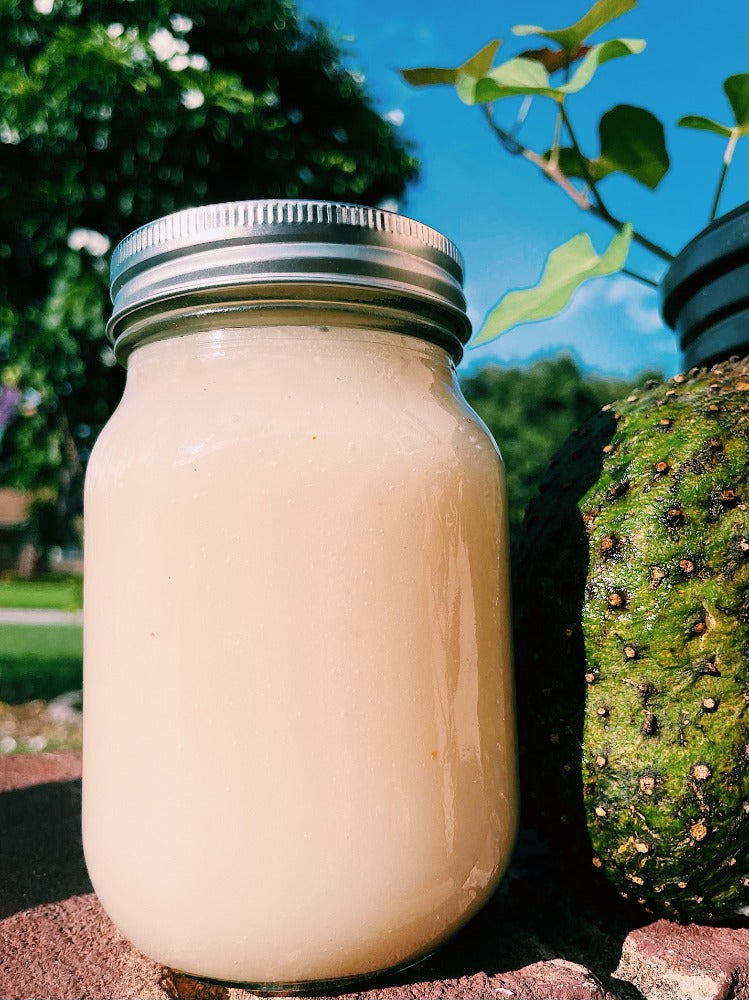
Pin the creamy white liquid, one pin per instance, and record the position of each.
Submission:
(298, 734)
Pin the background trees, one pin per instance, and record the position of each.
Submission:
(112, 114)
(531, 412)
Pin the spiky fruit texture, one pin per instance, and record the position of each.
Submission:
(630, 589)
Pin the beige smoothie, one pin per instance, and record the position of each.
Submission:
(298, 731)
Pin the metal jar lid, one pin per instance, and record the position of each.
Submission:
(371, 266)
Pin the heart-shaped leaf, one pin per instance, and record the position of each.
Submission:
(737, 92)
(567, 267)
(704, 125)
(477, 66)
(632, 142)
(529, 76)
(573, 37)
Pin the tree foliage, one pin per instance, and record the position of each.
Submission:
(532, 411)
(113, 114)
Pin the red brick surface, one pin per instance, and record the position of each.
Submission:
(539, 938)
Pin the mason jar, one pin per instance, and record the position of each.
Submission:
(299, 756)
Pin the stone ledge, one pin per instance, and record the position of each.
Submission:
(548, 932)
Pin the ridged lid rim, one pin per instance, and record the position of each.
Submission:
(206, 225)
(275, 244)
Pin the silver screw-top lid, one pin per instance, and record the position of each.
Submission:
(362, 262)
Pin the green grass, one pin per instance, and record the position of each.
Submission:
(62, 595)
(39, 661)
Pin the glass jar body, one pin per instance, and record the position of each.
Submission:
(299, 761)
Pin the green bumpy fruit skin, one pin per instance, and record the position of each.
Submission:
(640, 699)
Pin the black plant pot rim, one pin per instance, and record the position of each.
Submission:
(704, 294)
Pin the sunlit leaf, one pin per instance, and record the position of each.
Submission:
(571, 38)
(481, 63)
(517, 76)
(477, 66)
(704, 125)
(599, 54)
(737, 92)
(529, 76)
(632, 142)
(567, 267)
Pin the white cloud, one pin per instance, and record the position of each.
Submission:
(637, 303)
(44, 6)
(115, 29)
(395, 117)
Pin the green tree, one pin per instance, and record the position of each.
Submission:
(532, 411)
(112, 114)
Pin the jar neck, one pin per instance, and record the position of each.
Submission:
(332, 351)
(199, 311)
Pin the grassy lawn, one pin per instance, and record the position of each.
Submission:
(39, 661)
(63, 595)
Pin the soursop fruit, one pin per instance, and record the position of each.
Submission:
(630, 591)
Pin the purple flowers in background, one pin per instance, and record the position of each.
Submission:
(10, 397)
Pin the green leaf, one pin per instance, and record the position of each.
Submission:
(427, 76)
(704, 125)
(528, 76)
(571, 166)
(567, 267)
(737, 91)
(632, 142)
(571, 38)
(480, 64)
(477, 66)
(517, 76)
(598, 55)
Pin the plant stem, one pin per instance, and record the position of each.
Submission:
(639, 277)
(554, 157)
(727, 157)
(643, 241)
(599, 208)
(587, 177)
(580, 198)
(554, 174)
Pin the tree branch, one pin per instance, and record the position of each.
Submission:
(580, 198)
(599, 208)
(550, 170)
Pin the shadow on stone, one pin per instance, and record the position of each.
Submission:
(545, 908)
(41, 854)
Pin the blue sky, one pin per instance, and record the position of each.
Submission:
(502, 215)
